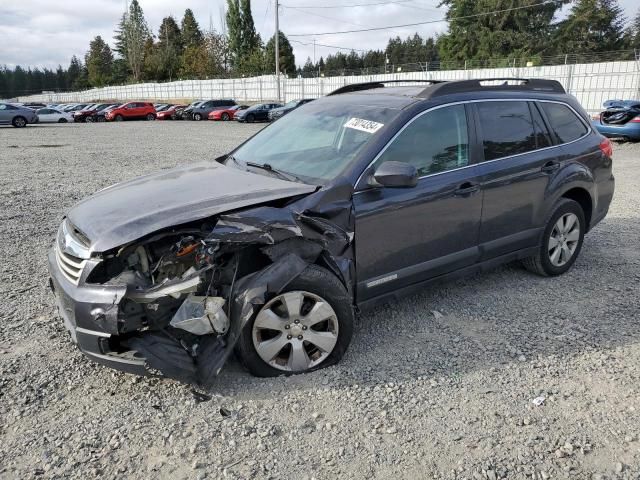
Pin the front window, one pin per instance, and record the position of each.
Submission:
(434, 142)
(318, 142)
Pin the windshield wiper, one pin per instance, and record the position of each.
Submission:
(269, 168)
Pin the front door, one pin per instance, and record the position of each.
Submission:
(407, 235)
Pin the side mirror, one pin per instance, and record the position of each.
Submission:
(396, 175)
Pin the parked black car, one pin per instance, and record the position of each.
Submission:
(100, 115)
(202, 111)
(256, 113)
(363, 196)
(276, 113)
(185, 113)
(34, 105)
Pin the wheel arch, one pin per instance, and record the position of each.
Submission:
(584, 199)
(575, 182)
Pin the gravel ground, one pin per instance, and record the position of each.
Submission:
(439, 385)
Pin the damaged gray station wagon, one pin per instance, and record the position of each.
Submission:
(354, 199)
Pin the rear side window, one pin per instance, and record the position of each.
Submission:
(435, 142)
(507, 129)
(565, 124)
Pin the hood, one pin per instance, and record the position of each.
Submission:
(130, 210)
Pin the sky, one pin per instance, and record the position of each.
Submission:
(46, 33)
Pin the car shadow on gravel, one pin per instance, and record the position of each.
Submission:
(487, 321)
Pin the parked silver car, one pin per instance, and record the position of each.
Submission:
(17, 116)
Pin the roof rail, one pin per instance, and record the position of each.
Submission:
(526, 84)
(356, 87)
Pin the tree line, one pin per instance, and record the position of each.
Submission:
(185, 51)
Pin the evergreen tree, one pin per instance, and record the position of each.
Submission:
(633, 33)
(168, 49)
(249, 37)
(511, 33)
(74, 72)
(592, 26)
(99, 61)
(61, 79)
(191, 33)
(286, 57)
(234, 28)
(309, 69)
(120, 46)
(132, 38)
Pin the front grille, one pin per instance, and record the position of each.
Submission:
(70, 266)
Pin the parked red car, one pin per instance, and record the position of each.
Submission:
(132, 111)
(226, 113)
(169, 112)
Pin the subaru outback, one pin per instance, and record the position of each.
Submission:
(357, 198)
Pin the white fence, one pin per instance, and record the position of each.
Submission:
(591, 83)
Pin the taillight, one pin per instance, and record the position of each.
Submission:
(607, 147)
(635, 120)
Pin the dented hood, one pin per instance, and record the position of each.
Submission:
(130, 210)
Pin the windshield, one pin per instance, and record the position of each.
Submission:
(317, 141)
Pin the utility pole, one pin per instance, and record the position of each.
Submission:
(314, 51)
(277, 52)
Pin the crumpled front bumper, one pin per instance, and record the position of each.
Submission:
(90, 315)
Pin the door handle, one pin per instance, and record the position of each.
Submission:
(467, 188)
(550, 167)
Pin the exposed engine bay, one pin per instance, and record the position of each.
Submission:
(191, 290)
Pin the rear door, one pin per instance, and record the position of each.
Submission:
(46, 115)
(518, 162)
(407, 235)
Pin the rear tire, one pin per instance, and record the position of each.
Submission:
(90, 119)
(561, 240)
(250, 118)
(101, 119)
(318, 284)
(150, 117)
(19, 122)
(225, 116)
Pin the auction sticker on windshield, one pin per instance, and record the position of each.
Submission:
(368, 126)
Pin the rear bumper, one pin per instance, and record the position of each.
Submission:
(90, 314)
(631, 131)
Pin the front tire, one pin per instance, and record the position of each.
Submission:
(250, 118)
(62, 120)
(561, 240)
(119, 118)
(225, 117)
(19, 122)
(150, 117)
(197, 117)
(306, 327)
(101, 119)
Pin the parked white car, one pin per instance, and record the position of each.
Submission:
(53, 115)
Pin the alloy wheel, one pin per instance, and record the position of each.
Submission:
(295, 331)
(564, 239)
